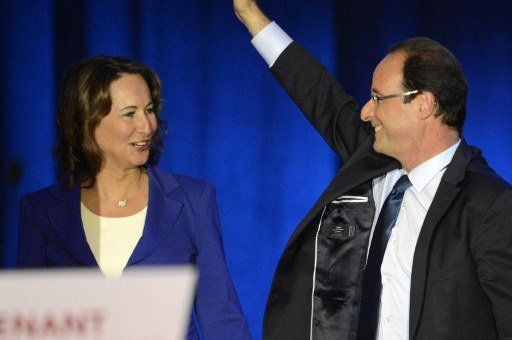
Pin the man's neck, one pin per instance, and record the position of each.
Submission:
(427, 150)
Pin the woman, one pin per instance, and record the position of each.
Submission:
(116, 208)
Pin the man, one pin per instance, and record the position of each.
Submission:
(413, 237)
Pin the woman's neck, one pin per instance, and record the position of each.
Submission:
(117, 193)
(117, 183)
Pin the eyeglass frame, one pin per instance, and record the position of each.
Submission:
(377, 99)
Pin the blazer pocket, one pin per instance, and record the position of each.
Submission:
(451, 271)
(350, 199)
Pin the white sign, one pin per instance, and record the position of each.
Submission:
(146, 303)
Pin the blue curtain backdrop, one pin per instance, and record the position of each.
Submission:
(230, 123)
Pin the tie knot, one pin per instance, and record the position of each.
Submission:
(403, 184)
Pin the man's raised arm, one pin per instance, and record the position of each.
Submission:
(332, 112)
(248, 12)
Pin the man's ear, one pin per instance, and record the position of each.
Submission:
(427, 105)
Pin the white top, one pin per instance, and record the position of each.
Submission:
(112, 239)
(397, 262)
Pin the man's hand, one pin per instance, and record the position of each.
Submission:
(248, 12)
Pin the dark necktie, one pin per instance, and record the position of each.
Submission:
(372, 284)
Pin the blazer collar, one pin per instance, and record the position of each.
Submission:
(446, 193)
(66, 221)
(162, 213)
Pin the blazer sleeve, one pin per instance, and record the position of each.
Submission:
(31, 240)
(492, 250)
(333, 113)
(217, 306)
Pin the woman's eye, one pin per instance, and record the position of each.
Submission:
(150, 110)
(129, 114)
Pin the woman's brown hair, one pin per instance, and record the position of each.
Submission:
(84, 100)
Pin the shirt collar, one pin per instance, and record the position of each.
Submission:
(421, 175)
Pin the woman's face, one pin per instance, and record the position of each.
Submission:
(125, 132)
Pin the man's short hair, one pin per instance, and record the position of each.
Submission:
(429, 66)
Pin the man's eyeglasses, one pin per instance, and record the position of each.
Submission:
(377, 99)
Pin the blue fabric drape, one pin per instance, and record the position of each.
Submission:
(229, 121)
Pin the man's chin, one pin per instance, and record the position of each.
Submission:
(380, 148)
(377, 146)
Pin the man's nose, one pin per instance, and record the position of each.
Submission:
(367, 111)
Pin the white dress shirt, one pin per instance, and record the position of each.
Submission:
(396, 265)
(397, 262)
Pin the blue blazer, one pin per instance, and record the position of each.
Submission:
(182, 226)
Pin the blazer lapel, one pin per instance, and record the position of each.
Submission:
(446, 193)
(66, 221)
(363, 166)
(161, 215)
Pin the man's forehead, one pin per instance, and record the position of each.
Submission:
(389, 70)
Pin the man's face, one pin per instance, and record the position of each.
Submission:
(396, 123)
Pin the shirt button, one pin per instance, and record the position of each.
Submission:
(394, 241)
(388, 319)
(388, 279)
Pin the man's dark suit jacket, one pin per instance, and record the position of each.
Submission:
(461, 283)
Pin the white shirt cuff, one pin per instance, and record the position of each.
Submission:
(270, 42)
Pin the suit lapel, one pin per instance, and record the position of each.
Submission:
(66, 221)
(363, 166)
(446, 193)
(161, 215)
